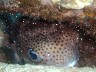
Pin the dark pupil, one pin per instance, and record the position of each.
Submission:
(34, 56)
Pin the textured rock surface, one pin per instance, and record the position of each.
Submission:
(33, 68)
(73, 4)
(83, 18)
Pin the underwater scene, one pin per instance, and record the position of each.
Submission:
(59, 33)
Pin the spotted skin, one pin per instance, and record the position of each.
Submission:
(55, 44)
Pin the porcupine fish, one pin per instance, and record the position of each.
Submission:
(49, 44)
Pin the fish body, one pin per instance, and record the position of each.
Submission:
(49, 44)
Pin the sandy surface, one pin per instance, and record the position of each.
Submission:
(39, 68)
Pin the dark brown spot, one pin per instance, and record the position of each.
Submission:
(56, 43)
(53, 51)
(62, 41)
(57, 51)
(65, 43)
(50, 47)
(54, 47)
(61, 44)
(59, 48)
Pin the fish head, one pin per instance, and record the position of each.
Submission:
(49, 44)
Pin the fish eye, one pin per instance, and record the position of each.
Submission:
(33, 56)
